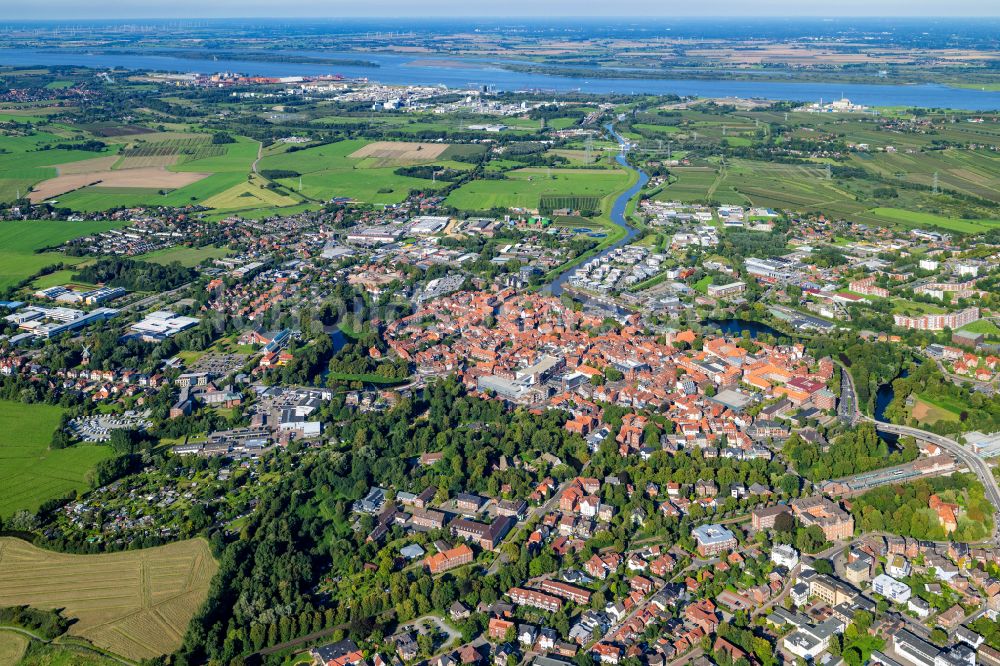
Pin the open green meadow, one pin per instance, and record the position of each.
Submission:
(186, 256)
(30, 473)
(524, 188)
(135, 603)
(93, 199)
(928, 411)
(20, 239)
(916, 219)
(328, 171)
(27, 160)
(984, 326)
(60, 655)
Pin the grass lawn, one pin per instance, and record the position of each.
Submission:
(903, 306)
(930, 412)
(186, 256)
(984, 326)
(56, 279)
(702, 284)
(29, 472)
(917, 219)
(20, 239)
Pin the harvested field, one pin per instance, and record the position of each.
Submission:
(401, 152)
(144, 161)
(12, 648)
(136, 603)
(87, 166)
(147, 177)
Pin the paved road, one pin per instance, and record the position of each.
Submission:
(989, 388)
(976, 464)
(540, 510)
(453, 636)
(145, 303)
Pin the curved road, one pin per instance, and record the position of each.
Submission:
(976, 464)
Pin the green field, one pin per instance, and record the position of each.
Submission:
(524, 188)
(916, 219)
(237, 156)
(928, 412)
(19, 241)
(186, 256)
(688, 185)
(26, 160)
(93, 199)
(135, 603)
(328, 172)
(57, 655)
(29, 472)
(250, 194)
(984, 326)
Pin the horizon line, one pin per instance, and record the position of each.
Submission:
(424, 17)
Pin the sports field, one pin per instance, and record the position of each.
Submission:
(20, 239)
(524, 188)
(927, 412)
(30, 473)
(136, 603)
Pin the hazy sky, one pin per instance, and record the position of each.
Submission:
(80, 9)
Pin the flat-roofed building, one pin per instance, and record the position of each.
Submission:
(895, 591)
(713, 539)
(831, 590)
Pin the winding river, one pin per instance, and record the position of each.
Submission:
(617, 214)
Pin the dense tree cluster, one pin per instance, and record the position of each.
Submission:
(135, 275)
(855, 451)
(904, 509)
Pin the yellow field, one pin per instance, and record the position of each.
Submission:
(136, 604)
(249, 194)
(399, 153)
(12, 647)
